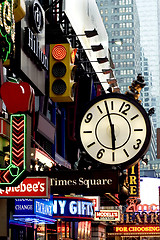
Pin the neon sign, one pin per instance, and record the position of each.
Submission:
(55, 207)
(142, 208)
(134, 180)
(7, 28)
(17, 164)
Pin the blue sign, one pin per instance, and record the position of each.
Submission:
(56, 207)
(24, 207)
(44, 207)
(64, 207)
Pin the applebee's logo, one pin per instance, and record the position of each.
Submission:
(18, 96)
(27, 188)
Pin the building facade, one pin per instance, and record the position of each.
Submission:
(122, 22)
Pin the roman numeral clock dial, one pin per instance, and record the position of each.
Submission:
(115, 129)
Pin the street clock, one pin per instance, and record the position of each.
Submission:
(115, 130)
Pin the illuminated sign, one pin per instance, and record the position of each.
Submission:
(142, 208)
(135, 229)
(107, 215)
(19, 129)
(7, 28)
(59, 207)
(96, 202)
(144, 218)
(31, 187)
(134, 180)
(24, 207)
(64, 207)
(92, 182)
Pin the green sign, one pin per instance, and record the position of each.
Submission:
(7, 29)
(16, 168)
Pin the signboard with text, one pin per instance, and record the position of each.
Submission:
(88, 182)
(134, 180)
(107, 215)
(55, 207)
(31, 58)
(31, 187)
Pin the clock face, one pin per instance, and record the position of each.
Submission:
(115, 129)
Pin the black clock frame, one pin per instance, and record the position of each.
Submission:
(144, 147)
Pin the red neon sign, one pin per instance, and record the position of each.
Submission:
(32, 187)
(142, 208)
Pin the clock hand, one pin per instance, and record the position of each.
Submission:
(112, 127)
(113, 136)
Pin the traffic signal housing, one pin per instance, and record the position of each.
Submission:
(61, 72)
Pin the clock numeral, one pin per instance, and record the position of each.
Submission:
(88, 118)
(126, 152)
(138, 129)
(113, 157)
(134, 117)
(91, 144)
(124, 108)
(99, 109)
(138, 144)
(111, 105)
(100, 153)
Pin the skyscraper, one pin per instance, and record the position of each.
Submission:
(121, 20)
(122, 23)
(150, 62)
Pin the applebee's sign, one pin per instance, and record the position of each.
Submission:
(19, 150)
(18, 96)
(31, 187)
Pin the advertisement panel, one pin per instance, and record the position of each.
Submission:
(31, 187)
(107, 215)
(134, 180)
(92, 182)
(55, 207)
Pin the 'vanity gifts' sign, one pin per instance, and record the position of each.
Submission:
(94, 182)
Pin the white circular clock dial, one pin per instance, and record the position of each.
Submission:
(113, 131)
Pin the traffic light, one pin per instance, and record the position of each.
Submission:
(61, 72)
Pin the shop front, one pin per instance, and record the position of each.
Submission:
(56, 218)
(140, 225)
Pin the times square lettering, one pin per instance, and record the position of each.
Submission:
(81, 182)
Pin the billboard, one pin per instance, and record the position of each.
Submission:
(31, 187)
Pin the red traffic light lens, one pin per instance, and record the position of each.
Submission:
(59, 52)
